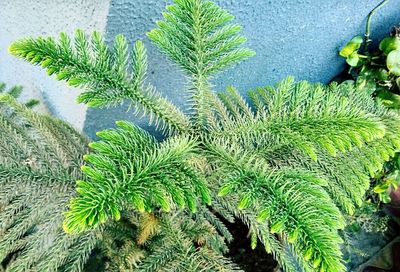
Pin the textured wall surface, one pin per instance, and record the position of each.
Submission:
(22, 18)
(133, 19)
(296, 37)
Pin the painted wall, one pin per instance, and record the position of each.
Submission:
(296, 37)
(22, 18)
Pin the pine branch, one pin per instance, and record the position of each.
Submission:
(104, 75)
(302, 211)
(302, 116)
(15, 92)
(180, 250)
(288, 167)
(197, 36)
(37, 176)
(350, 149)
(128, 166)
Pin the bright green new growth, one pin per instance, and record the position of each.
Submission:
(108, 78)
(288, 166)
(40, 158)
(197, 36)
(136, 170)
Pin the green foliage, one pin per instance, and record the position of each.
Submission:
(389, 184)
(376, 72)
(187, 245)
(15, 92)
(197, 35)
(274, 175)
(39, 161)
(164, 242)
(138, 171)
(290, 166)
(108, 78)
(349, 51)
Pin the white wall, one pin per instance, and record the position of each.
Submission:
(22, 18)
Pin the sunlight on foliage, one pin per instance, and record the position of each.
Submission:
(289, 162)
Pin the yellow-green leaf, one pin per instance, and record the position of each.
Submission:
(352, 46)
(393, 62)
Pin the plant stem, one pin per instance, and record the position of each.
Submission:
(368, 26)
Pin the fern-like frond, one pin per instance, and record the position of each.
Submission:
(129, 167)
(303, 116)
(327, 143)
(292, 201)
(197, 36)
(350, 170)
(288, 165)
(107, 77)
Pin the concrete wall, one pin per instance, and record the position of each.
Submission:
(297, 37)
(21, 18)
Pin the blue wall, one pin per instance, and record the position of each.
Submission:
(297, 37)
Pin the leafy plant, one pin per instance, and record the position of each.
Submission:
(378, 73)
(39, 163)
(288, 166)
(389, 183)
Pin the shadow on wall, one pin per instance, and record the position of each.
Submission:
(296, 37)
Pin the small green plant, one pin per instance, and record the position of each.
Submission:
(387, 185)
(289, 166)
(378, 73)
